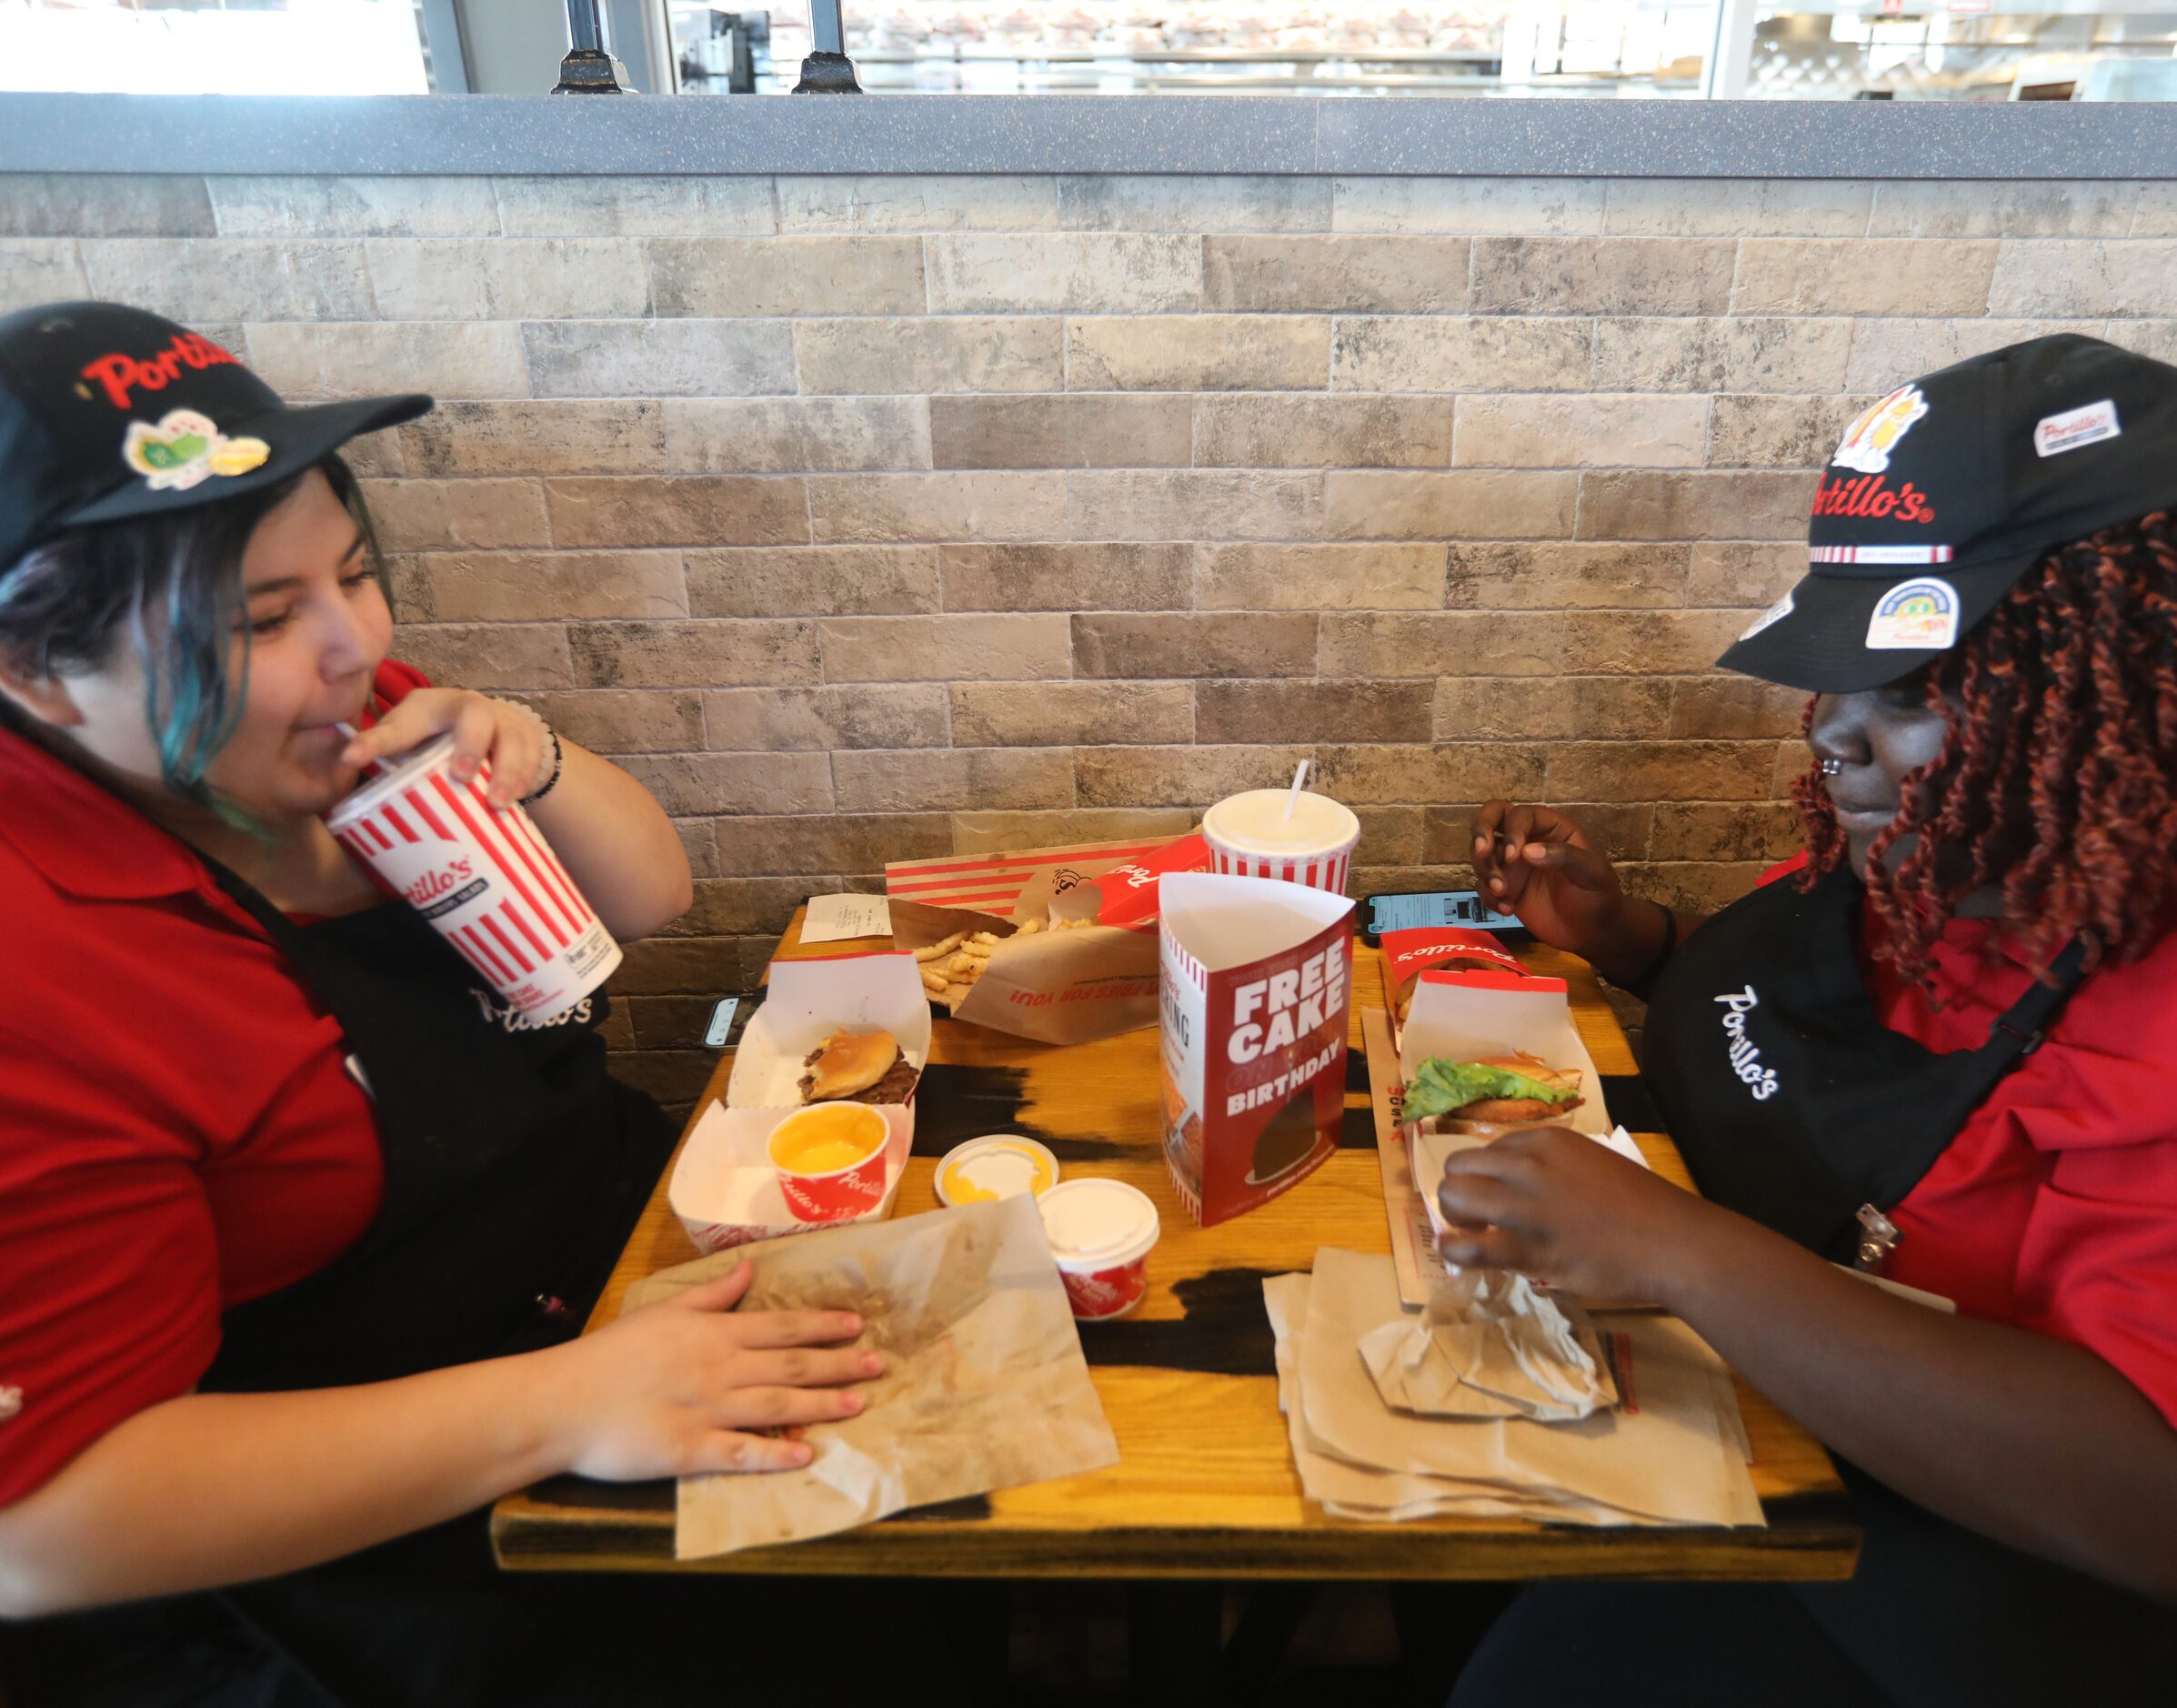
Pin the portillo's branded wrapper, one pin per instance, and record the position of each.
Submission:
(1407, 955)
(1127, 894)
(1255, 982)
(486, 880)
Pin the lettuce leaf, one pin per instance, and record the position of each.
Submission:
(1439, 1087)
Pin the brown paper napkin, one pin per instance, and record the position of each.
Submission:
(1666, 1456)
(1361, 1491)
(983, 1388)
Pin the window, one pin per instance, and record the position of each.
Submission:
(213, 46)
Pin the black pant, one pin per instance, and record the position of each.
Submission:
(1669, 1645)
(1760, 1645)
(426, 1622)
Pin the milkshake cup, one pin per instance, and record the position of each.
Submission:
(1250, 836)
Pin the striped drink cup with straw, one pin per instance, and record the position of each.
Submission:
(486, 880)
(1285, 833)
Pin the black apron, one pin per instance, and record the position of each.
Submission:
(1793, 1104)
(515, 1167)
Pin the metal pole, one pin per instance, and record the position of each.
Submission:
(587, 68)
(1724, 73)
(826, 70)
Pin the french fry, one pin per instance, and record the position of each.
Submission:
(986, 938)
(1029, 928)
(959, 963)
(933, 981)
(943, 947)
(981, 951)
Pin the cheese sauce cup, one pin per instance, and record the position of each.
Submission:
(1250, 837)
(1101, 1232)
(487, 881)
(830, 1160)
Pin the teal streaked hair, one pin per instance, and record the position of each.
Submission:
(191, 706)
(173, 584)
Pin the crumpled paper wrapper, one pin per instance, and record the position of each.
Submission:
(1491, 1343)
(1366, 1491)
(1668, 1455)
(984, 1385)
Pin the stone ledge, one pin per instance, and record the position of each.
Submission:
(541, 134)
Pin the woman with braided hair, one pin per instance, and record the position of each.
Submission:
(1938, 1048)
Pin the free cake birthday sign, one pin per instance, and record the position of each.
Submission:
(1254, 983)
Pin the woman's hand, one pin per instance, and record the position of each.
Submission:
(1535, 862)
(508, 738)
(684, 1385)
(1553, 1204)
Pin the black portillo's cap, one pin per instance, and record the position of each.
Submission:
(109, 413)
(1948, 490)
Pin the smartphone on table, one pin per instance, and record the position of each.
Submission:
(1431, 911)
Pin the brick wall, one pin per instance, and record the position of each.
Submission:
(867, 519)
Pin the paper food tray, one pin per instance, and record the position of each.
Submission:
(726, 1192)
(808, 1000)
(1464, 1016)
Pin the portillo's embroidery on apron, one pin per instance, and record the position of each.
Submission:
(1745, 1054)
(498, 1011)
(1869, 1111)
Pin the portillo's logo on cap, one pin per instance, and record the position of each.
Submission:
(1870, 438)
(1866, 496)
(120, 375)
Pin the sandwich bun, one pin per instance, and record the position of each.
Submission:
(848, 1062)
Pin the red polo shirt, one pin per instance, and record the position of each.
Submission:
(178, 1130)
(2055, 1207)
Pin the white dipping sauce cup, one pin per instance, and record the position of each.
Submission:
(1101, 1232)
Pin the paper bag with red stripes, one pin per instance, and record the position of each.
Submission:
(1067, 980)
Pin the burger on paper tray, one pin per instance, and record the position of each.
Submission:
(1493, 1094)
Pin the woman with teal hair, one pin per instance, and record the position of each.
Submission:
(296, 1223)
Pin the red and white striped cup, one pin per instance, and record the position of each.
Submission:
(485, 881)
(1251, 835)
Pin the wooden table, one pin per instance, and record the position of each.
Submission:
(1204, 1487)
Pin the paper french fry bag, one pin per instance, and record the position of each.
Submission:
(1063, 987)
(1255, 977)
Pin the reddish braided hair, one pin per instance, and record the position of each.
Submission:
(2058, 775)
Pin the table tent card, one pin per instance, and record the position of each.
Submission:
(1254, 986)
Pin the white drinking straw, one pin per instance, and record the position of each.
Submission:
(351, 732)
(1292, 795)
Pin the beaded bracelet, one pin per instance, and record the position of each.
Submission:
(551, 782)
(550, 779)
